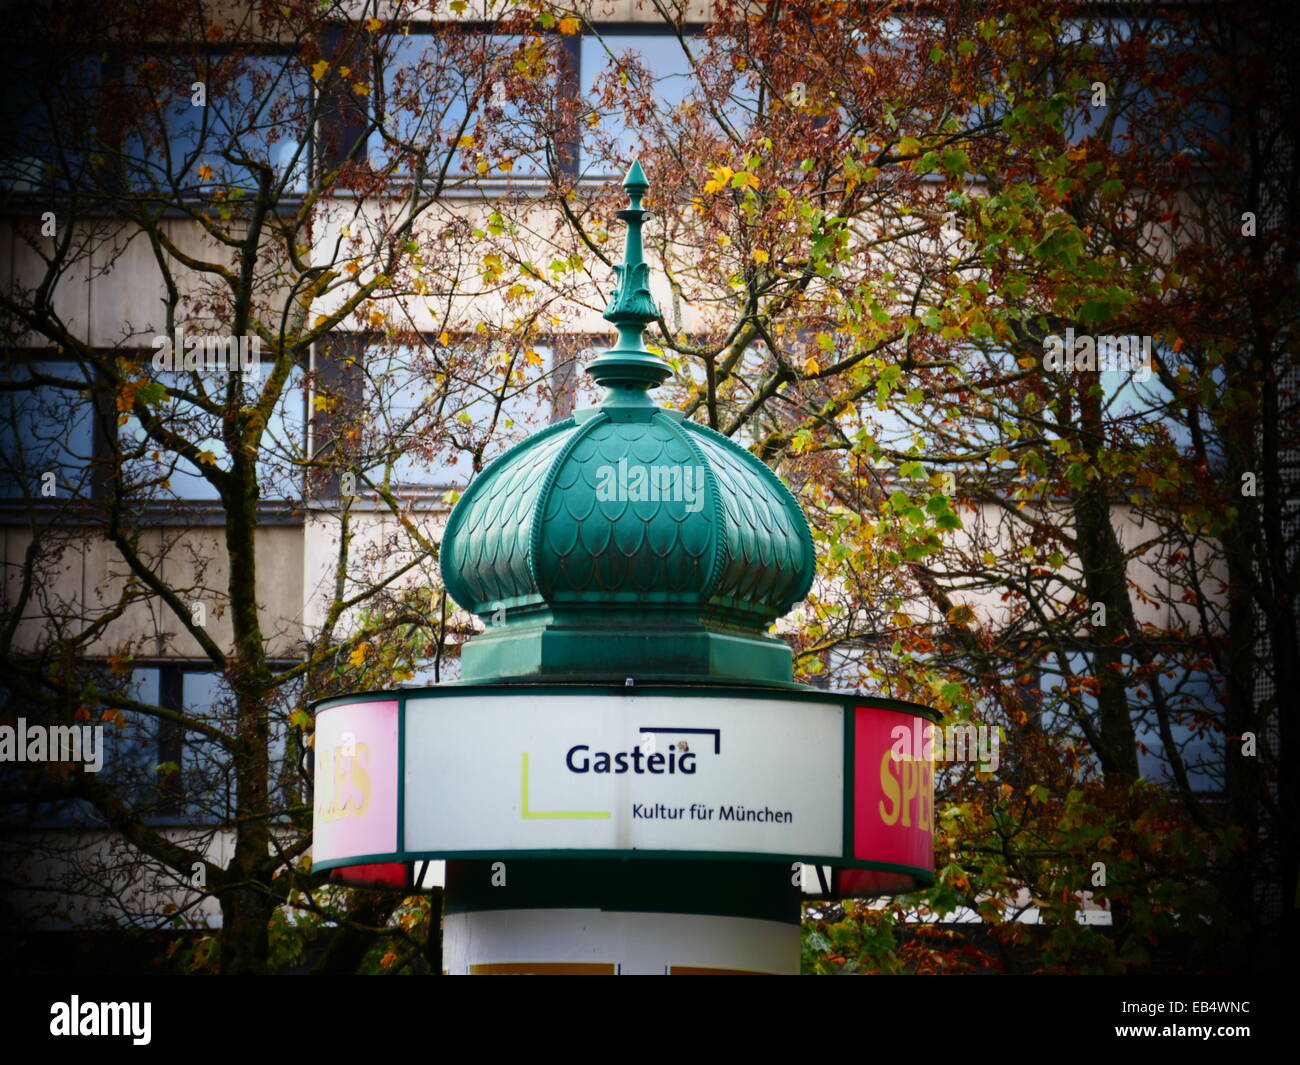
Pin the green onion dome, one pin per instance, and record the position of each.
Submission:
(627, 541)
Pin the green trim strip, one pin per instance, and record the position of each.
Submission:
(401, 771)
(796, 694)
(849, 785)
(925, 876)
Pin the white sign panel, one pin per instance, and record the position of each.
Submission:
(617, 772)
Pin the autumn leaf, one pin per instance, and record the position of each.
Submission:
(721, 175)
(961, 615)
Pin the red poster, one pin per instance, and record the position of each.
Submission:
(893, 802)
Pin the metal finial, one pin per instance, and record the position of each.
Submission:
(627, 370)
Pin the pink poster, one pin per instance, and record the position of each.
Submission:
(355, 810)
(893, 802)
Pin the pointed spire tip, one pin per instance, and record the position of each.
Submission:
(635, 179)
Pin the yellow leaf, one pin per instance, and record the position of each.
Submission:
(569, 25)
(358, 655)
(961, 615)
(318, 70)
(721, 175)
(760, 256)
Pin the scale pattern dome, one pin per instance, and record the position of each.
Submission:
(564, 518)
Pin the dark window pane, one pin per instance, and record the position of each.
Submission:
(45, 429)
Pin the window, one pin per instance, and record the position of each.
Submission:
(430, 411)
(201, 128)
(152, 472)
(46, 431)
(1194, 708)
(46, 130)
(655, 66)
(460, 90)
(1163, 106)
